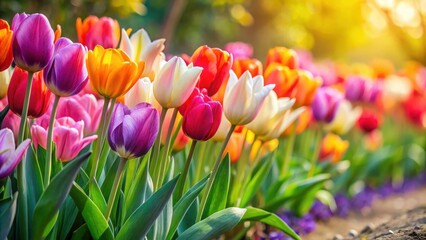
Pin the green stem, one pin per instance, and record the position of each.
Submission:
(22, 181)
(213, 174)
(164, 163)
(48, 166)
(288, 152)
(200, 161)
(182, 179)
(153, 159)
(315, 154)
(115, 186)
(96, 145)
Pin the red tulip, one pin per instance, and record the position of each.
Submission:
(216, 64)
(40, 96)
(368, 121)
(202, 118)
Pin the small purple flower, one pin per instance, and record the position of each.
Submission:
(66, 74)
(320, 211)
(304, 225)
(363, 199)
(132, 132)
(325, 104)
(9, 157)
(33, 41)
(343, 205)
(385, 190)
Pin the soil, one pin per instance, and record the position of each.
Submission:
(397, 217)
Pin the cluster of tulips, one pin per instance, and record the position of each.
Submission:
(103, 126)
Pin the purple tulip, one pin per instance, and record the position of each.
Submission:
(325, 104)
(32, 42)
(132, 132)
(66, 74)
(9, 157)
(355, 88)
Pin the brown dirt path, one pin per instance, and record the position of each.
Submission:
(382, 211)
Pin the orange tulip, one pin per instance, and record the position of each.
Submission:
(235, 146)
(305, 89)
(333, 148)
(283, 56)
(284, 78)
(6, 56)
(94, 31)
(111, 72)
(252, 65)
(301, 123)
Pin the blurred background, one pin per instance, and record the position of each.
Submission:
(345, 31)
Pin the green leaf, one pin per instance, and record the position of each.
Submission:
(95, 220)
(7, 214)
(296, 189)
(54, 196)
(259, 215)
(255, 183)
(219, 192)
(97, 196)
(139, 223)
(81, 233)
(184, 204)
(34, 179)
(214, 225)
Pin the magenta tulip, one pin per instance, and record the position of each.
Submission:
(9, 156)
(66, 74)
(132, 132)
(355, 88)
(325, 104)
(202, 118)
(33, 41)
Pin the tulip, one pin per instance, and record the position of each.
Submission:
(84, 108)
(94, 31)
(281, 124)
(40, 96)
(325, 104)
(175, 82)
(235, 147)
(222, 130)
(272, 110)
(66, 74)
(300, 124)
(139, 47)
(4, 82)
(306, 88)
(244, 97)
(283, 56)
(132, 132)
(202, 118)
(284, 78)
(111, 72)
(216, 64)
(33, 41)
(397, 88)
(355, 88)
(252, 65)
(11, 121)
(6, 56)
(142, 91)
(368, 121)
(239, 50)
(333, 147)
(9, 156)
(345, 118)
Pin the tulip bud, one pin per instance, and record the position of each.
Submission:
(368, 121)
(175, 82)
(345, 118)
(306, 88)
(284, 78)
(94, 31)
(6, 56)
(244, 97)
(333, 147)
(241, 65)
(283, 56)
(202, 118)
(9, 156)
(132, 132)
(40, 96)
(33, 41)
(142, 91)
(216, 64)
(325, 104)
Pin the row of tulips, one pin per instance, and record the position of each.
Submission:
(110, 122)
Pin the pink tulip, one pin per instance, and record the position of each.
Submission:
(12, 122)
(84, 108)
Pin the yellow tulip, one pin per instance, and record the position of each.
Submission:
(111, 72)
(345, 118)
(4, 82)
